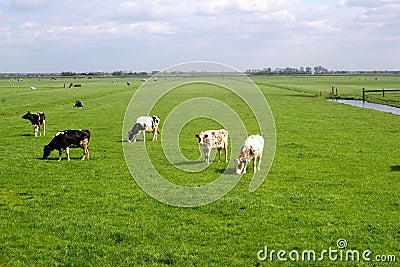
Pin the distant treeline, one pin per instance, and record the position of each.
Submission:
(102, 74)
(266, 71)
(309, 71)
(82, 74)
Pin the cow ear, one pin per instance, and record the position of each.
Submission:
(197, 136)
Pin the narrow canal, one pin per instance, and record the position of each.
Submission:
(361, 104)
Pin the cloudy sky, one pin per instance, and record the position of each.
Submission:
(95, 35)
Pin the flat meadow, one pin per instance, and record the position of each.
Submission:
(335, 176)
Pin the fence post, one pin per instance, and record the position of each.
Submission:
(383, 92)
(363, 94)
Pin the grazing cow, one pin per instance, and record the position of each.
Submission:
(38, 121)
(212, 139)
(252, 149)
(144, 124)
(67, 139)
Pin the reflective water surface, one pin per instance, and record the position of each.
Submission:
(360, 103)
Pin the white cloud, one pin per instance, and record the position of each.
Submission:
(29, 25)
(264, 6)
(30, 4)
(105, 31)
(363, 3)
(322, 25)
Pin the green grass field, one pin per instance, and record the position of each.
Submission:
(335, 175)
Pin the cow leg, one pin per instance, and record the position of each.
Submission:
(219, 155)
(84, 152)
(226, 154)
(135, 135)
(154, 134)
(59, 154)
(44, 128)
(67, 152)
(259, 162)
(144, 136)
(208, 156)
(85, 147)
(35, 129)
(255, 164)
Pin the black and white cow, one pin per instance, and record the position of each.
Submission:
(144, 124)
(38, 121)
(67, 139)
(78, 104)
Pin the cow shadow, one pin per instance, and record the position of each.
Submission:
(27, 135)
(395, 168)
(49, 159)
(64, 159)
(226, 171)
(183, 163)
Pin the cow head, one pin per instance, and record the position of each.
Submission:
(26, 116)
(203, 138)
(46, 151)
(137, 127)
(156, 120)
(239, 166)
(243, 160)
(131, 135)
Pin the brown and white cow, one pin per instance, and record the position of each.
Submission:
(38, 121)
(252, 149)
(67, 139)
(213, 139)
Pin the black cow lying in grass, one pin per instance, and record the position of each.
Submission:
(78, 104)
(67, 139)
(38, 121)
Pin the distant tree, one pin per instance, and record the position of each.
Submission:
(320, 70)
(117, 73)
(68, 73)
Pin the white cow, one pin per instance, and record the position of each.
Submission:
(252, 149)
(144, 124)
(212, 139)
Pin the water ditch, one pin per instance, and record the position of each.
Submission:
(362, 104)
